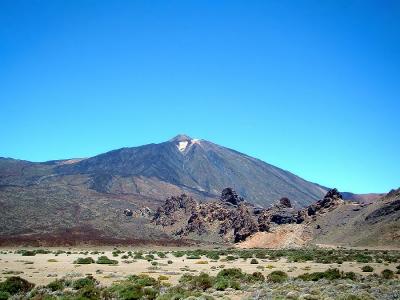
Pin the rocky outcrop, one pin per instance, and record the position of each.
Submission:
(229, 196)
(285, 202)
(241, 222)
(166, 214)
(232, 218)
(331, 200)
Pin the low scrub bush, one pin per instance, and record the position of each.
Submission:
(127, 291)
(104, 260)
(200, 282)
(84, 260)
(329, 274)
(255, 277)
(367, 269)
(232, 273)
(149, 257)
(15, 284)
(213, 255)
(4, 295)
(142, 280)
(161, 255)
(178, 253)
(56, 285)
(231, 257)
(277, 276)
(387, 274)
(254, 261)
(81, 283)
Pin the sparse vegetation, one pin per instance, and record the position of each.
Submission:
(220, 279)
(84, 261)
(367, 268)
(277, 276)
(387, 274)
(56, 285)
(14, 285)
(104, 260)
(254, 261)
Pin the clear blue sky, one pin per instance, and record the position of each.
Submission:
(310, 86)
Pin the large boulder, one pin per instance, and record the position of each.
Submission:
(229, 196)
(285, 202)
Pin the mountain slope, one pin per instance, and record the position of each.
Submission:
(193, 165)
(84, 199)
(370, 224)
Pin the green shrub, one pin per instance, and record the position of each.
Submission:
(315, 276)
(138, 255)
(150, 293)
(387, 274)
(213, 255)
(234, 284)
(84, 260)
(4, 295)
(170, 262)
(254, 261)
(277, 276)
(200, 282)
(332, 274)
(178, 253)
(221, 284)
(245, 254)
(367, 269)
(89, 293)
(15, 284)
(149, 257)
(231, 273)
(231, 257)
(128, 291)
(28, 253)
(80, 283)
(56, 285)
(142, 280)
(261, 255)
(104, 260)
(256, 277)
(329, 274)
(161, 255)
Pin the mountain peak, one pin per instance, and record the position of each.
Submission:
(181, 138)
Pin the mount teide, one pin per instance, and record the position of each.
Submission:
(193, 166)
(84, 200)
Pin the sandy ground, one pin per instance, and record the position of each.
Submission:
(41, 269)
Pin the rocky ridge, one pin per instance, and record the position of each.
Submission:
(233, 218)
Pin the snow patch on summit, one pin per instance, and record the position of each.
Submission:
(182, 145)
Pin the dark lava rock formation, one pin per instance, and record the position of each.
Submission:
(232, 218)
(331, 200)
(229, 196)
